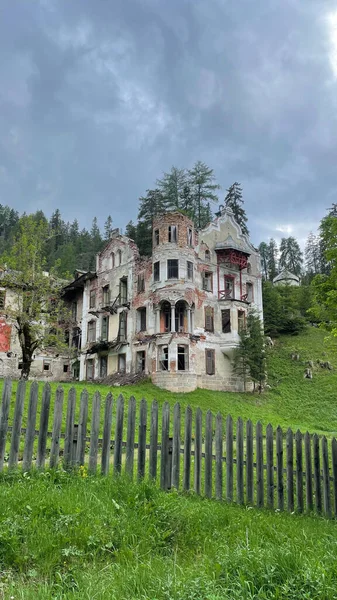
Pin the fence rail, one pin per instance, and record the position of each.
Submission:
(274, 469)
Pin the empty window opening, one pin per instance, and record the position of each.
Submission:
(20, 366)
(140, 361)
(123, 290)
(229, 287)
(76, 338)
(249, 292)
(90, 369)
(92, 299)
(113, 260)
(66, 368)
(141, 283)
(226, 320)
(163, 358)
(172, 269)
(165, 317)
(91, 331)
(141, 319)
(105, 328)
(122, 333)
(189, 270)
(207, 281)
(189, 237)
(156, 271)
(156, 237)
(180, 316)
(103, 366)
(210, 361)
(106, 295)
(119, 257)
(241, 320)
(74, 311)
(249, 268)
(182, 358)
(209, 318)
(121, 363)
(207, 255)
(172, 233)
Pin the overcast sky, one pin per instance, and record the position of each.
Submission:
(99, 97)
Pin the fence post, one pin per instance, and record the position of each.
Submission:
(208, 454)
(187, 449)
(270, 465)
(16, 431)
(218, 457)
(164, 459)
(6, 398)
(299, 471)
(229, 458)
(317, 474)
(68, 441)
(94, 432)
(30, 431)
(308, 472)
(153, 440)
(249, 462)
(334, 472)
(290, 470)
(259, 466)
(73, 452)
(176, 446)
(119, 435)
(130, 437)
(142, 439)
(197, 451)
(326, 481)
(82, 428)
(106, 445)
(44, 417)
(239, 461)
(57, 422)
(279, 466)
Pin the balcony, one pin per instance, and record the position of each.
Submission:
(230, 295)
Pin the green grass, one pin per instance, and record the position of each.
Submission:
(292, 400)
(67, 537)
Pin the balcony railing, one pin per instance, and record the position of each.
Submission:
(230, 295)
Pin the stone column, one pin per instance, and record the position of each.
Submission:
(157, 319)
(173, 318)
(189, 320)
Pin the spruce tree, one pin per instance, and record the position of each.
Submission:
(272, 259)
(263, 250)
(108, 228)
(249, 358)
(201, 181)
(234, 201)
(171, 186)
(150, 206)
(290, 255)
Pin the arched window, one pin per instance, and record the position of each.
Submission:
(249, 268)
(207, 255)
(112, 260)
(119, 257)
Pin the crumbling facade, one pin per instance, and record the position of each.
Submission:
(175, 316)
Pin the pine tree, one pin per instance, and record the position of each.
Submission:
(131, 231)
(263, 250)
(150, 206)
(201, 180)
(249, 359)
(234, 201)
(312, 255)
(272, 259)
(171, 186)
(290, 255)
(107, 228)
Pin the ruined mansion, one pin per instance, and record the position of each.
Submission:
(176, 315)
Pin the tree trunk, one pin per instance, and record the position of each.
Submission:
(28, 347)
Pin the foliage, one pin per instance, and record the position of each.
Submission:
(290, 255)
(272, 259)
(285, 308)
(250, 360)
(202, 186)
(234, 201)
(324, 308)
(37, 309)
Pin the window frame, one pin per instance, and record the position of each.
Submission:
(210, 356)
(156, 237)
(140, 361)
(156, 276)
(228, 278)
(250, 285)
(189, 270)
(185, 354)
(207, 276)
(170, 267)
(240, 325)
(162, 348)
(172, 234)
(92, 299)
(207, 255)
(102, 358)
(209, 319)
(92, 364)
(91, 331)
(121, 369)
(123, 320)
(141, 319)
(189, 236)
(228, 311)
(141, 282)
(105, 320)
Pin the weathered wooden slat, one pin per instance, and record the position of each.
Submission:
(6, 398)
(94, 433)
(299, 470)
(239, 461)
(165, 481)
(82, 428)
(326, 481)
(334, 473)
(44, 418)
(176, 446)
(218, 457)
(208, 454)
(259, 466)
(229, 458)
(249, 463)
(119, 435)
(317, 474)
(187, 449)
(30, 430)
(290, 469)
(56, 433)
(69, 433)
(270, 465)
(142, 438)
(197, 451)
(279, 468)
(130, 437)
(105, 461)
(308, 472)
(16, 431)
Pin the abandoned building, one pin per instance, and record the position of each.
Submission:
(176, 315)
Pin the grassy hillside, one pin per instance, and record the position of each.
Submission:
(292, 400)
(67, 537)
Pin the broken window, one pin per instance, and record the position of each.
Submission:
(207, 281)
(46, 365)
(163, 358)
(140, 361)
(249, 292)
(241, 320)
(156, 237)
(119, 257)
(76, 337)
(91, 331)
(20, 366)
(92, 299)
(172, 233)
(209, 318)
(172, 269)
(210, 361)
(90, 369)
(182, 361)
(141, 319)
(105, 328)
(106, 295)
(122, 333)
(229, 287)
(112, 260)
(189, 270)
(121, 363)
(66, 368)
(123, 290)
(165, 315)
(156, 271)
(103, 366)
(226, 320)
(207, 255)
(189, 237)
(141, 283)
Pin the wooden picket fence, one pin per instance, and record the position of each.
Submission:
(299, 473)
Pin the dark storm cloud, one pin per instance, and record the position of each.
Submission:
(99, 97)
